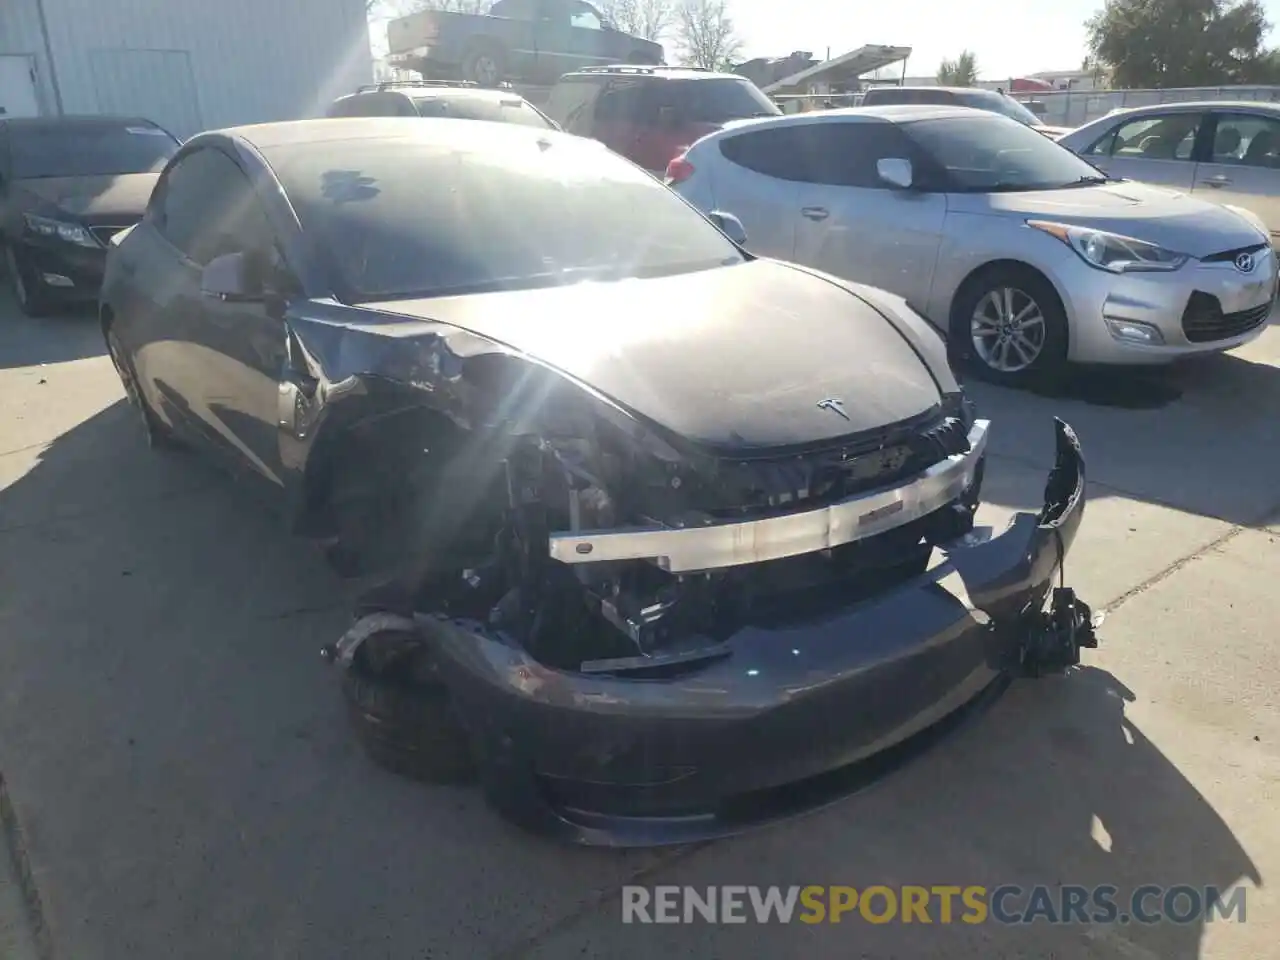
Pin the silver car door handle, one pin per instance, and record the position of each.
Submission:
(815, 213)
(1218, 181)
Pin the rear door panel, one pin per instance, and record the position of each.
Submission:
(757, 178)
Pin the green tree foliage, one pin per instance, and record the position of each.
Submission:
(960, 72)
(1182, 43)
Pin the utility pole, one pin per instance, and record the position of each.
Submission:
(48, 56)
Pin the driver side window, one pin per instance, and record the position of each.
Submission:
(207, 207)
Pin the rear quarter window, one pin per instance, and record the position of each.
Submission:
(495, 109)
(372, 105)
(891, 96)
(572, 104)
(773, 153)
(715, 100)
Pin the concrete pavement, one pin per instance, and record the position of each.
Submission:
(176, 756)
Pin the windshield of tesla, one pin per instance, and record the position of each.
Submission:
(88, 150)
(402, 218)
(987, 154)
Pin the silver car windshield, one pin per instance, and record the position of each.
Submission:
(990, 154)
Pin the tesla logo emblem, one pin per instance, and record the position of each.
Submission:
(833, 404)
(1244, 262)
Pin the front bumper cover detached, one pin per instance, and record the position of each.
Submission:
(792, 717)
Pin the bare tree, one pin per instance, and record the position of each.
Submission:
(705, 34)
(649, 19)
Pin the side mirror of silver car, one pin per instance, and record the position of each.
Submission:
(730, 226)
(896, 172)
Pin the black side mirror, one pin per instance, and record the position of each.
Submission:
(730, 226)
(233, 277)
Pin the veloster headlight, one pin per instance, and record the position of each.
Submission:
(1111, 251)
(70, 232)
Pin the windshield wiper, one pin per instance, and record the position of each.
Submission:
(1089, 181)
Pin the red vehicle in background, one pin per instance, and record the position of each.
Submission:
(650, 114)
(1029, 85)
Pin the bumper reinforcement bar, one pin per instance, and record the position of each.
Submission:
(733, 543)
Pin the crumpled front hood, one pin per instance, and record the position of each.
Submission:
(1173, 220)
(737, 358)
(124, 195)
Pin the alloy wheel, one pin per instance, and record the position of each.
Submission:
(1008, 330)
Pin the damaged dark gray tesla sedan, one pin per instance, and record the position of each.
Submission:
(673, 540)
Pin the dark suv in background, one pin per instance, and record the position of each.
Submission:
(439, 98)
(993, 101)
(67, 185)
(651, 114)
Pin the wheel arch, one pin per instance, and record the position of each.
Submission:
(979, 273)
(372, 440)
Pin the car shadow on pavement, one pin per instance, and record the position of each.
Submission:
(176, 749)
(69, 334)
(1052, 788)
(1214, 451)
(180, 759)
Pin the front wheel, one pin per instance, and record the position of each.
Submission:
(403, 718)
(1010, 326)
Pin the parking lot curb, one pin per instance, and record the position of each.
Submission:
(23, 934)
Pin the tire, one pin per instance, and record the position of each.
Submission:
(485, 65)
(32, 299)
(407, 725)
(983, 335)
(158, 436)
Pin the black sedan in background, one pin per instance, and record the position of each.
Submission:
(655, 517)
(440, 99)
(67, 184)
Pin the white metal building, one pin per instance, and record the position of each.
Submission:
(188, 65)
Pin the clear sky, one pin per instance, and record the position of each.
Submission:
(1009, 37)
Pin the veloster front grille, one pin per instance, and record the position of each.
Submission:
(1204, 322)
(1229, 256)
